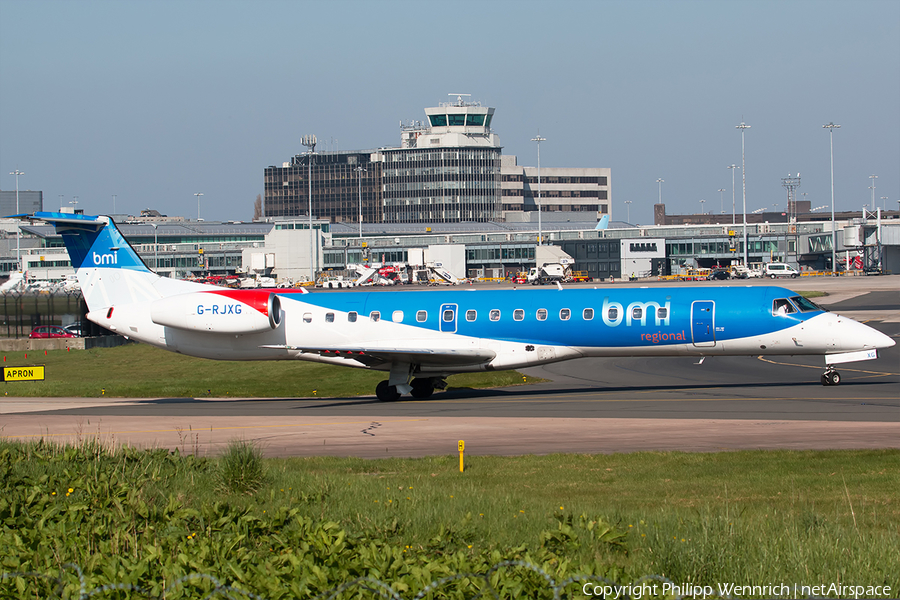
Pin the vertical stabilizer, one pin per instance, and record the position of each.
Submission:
(109, 270)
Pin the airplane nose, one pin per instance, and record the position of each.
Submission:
(864, 337)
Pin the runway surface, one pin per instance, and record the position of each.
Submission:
(588, 405)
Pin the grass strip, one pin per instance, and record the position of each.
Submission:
(309, 525)
(143, 371)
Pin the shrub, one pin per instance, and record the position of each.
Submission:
(241, 468)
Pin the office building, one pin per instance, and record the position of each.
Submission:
(447, 169)
(29, 202)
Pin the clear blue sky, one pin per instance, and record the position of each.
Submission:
(156, 100)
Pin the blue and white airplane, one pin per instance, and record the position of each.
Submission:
(422, 337)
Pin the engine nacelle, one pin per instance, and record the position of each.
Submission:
(218, 313)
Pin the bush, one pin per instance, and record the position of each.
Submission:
(241, 468)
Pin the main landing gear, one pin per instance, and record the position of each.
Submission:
(422, 387)
(831, 377)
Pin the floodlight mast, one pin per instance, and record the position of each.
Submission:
(743, 126)
(18, 251)
(539, 139)
(790, 184)
(359, 172)
(733, 213)
(831, 127)
(310, 142)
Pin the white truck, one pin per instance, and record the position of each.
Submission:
(548, 273)
(552, 264)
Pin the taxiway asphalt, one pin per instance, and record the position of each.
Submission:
(586, 406)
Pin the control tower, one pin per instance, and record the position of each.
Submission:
(455, 124)
(446, 169)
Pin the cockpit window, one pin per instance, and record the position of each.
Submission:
(805, 305)
(781, 307)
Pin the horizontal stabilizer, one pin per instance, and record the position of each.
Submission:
(93, 241)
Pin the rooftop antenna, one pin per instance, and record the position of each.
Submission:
(459, 100)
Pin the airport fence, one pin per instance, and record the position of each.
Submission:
(23, 311)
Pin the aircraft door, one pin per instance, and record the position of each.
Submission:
(448, 318)
(703, 326)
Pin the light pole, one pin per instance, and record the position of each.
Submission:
(659, 182)
(733, 218)
(539, 139)
(884, 203)
(18, 251)
(114, 203)
(743, 127)
(872, 187)
(310, 142)
(702, 202)
(722, 201)
(831, 127)
(628, 211)
(198, 194)
(155, 247)
(359, 172)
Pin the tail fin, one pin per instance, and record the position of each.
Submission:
(109, 270)
(93, 242)
(603, 223)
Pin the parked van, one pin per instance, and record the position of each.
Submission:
(774, 270)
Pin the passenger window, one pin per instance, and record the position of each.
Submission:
(448, 316)
(588, 314)
(518, 314)
(612, 313)
(307, 317)
(542, 314)
(471, 315)
(637, 312)
(781, 307)
(662, 312)
(375, 315)
(397, 316)
(564, 314)
(329, 317)
(495, 314)
(422, 316)
(351, 316)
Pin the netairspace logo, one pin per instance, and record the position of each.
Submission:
(732, 590)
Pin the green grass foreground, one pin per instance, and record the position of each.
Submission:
(295, 528)
(142, 371)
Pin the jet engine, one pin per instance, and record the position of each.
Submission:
(218, 313)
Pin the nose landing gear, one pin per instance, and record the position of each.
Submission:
(831, 377)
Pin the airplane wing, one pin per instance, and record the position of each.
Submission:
(420, 356)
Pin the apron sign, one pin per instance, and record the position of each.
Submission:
(23, 373)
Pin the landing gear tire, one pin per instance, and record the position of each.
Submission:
(831, 378)
(422, 388)
(386, 392)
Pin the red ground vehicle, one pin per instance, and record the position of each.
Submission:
(521, 277)
(49, 331)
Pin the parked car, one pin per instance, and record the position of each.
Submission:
(49, 331)
(719, 275)
(74, 329)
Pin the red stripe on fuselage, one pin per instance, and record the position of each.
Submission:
(256, 299)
